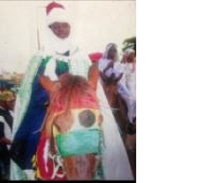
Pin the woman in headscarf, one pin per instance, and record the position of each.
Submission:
(113, 71)
(127, 86)
(61, 56)
(129, 77)
(109, 66)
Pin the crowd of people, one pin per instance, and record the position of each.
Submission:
(124, 72)
(40, 112)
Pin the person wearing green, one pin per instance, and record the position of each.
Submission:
(61, 56)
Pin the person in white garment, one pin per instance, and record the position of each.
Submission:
(129, 78)
(60, 56)
(129, 82)
(109, 65)
(112, 69)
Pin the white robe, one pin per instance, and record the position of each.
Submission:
(126, 85)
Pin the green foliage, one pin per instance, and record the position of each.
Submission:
(129, 43)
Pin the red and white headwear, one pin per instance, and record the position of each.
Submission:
(57, 13)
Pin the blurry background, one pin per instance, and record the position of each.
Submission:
(96, 24)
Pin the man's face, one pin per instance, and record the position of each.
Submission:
(112, 53)
(60, 29)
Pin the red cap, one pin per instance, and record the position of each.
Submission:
(53, 5)
(95, 56)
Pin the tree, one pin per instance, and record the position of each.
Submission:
(129, 43)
